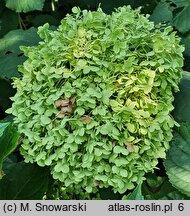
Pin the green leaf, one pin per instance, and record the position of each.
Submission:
(182, 100)
(9, 21)
(13, 39)
(135, 195)
(7, 69)
(2, 7)
(181, 3)
(3, 126)
(24, 182)
(24, 5)
(163, 191)
(180, 20)
(162, 12)
(186, 42)
(9, 161)
(8, 141)
(177, 163)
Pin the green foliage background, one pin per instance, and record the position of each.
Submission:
(18, 26)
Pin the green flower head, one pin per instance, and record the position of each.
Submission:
(95, 97)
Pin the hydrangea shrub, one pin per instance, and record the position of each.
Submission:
(95, 97)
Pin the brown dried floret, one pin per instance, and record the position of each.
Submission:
(65, 105)
(130, 147)
(86, 119)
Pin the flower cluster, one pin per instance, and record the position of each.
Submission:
(95, 97)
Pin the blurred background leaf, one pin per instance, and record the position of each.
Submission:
(177, 163)
(162, 191)
(182, 100)
(163, 12)
(24, 5)
(9, 64)
(136, 194)
(9, 21)
(8, 141)
(181, 19)
(15, 38)
(24, 181)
